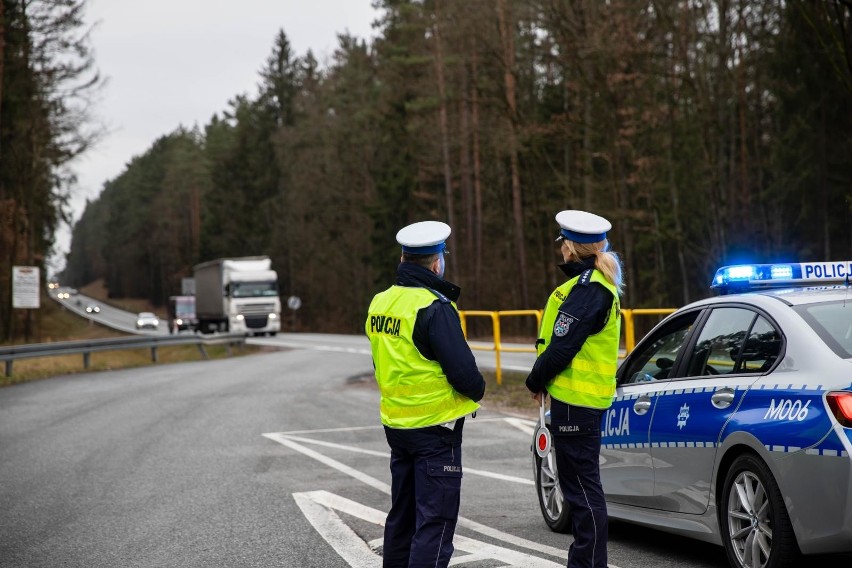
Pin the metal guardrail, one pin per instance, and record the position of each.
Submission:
(497, 346)
(86, 347)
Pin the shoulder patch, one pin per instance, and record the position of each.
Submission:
(585, 277)
(562, 325)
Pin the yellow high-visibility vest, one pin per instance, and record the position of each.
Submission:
(589, 380)
(414, 390)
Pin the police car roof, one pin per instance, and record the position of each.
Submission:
(810, 295)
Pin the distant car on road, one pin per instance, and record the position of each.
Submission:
(147, 320)
(63, 295)
(93, 309)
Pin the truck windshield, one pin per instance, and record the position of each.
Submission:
(185, 308)
(253, 289)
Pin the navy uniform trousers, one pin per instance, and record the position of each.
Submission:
(426, 474)
(577, 443)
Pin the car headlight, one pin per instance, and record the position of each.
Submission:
(240, 317)
(139, 322)
(273, 316)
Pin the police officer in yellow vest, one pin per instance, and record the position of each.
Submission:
(577, 358)
(429, 381)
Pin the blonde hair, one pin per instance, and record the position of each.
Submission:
(607, 262)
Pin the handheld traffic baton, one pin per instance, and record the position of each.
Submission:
(542, 435)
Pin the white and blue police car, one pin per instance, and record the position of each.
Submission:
(732, 419)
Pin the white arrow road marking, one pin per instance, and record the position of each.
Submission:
(319, 508)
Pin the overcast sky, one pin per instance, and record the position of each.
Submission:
(177, 62)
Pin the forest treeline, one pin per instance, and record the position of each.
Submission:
(47, 79)
(706, 131)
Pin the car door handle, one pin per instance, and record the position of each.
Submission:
(642, 405)
(722, 398)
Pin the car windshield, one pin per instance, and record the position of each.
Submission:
(146, 315)
(833, 323)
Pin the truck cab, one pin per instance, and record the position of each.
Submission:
(238, 295)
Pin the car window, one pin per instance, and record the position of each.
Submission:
(833, 323)
(720, 342)
(761, 349)
(655, 356)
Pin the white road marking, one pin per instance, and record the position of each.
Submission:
(292, 345)
(385, 488)
(320, 509)
(525, 426)
(468, 423)
(367, 479)
(348, 545)
(470, 470)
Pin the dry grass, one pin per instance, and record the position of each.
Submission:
(98, 291)
(510, 396)
(43, 367)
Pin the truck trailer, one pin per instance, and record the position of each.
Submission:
(237, 295)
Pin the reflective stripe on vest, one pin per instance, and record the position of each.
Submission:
(415, 392)
(589, 380)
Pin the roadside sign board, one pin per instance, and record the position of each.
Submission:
(25, 287)
(187, 286)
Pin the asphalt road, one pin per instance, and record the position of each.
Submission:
(107, 315)
(274, 459)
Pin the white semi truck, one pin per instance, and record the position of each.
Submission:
(237, 295)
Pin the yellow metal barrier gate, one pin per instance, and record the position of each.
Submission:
(497, 346)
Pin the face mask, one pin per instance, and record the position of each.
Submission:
(442, 266)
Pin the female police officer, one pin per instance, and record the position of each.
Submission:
(429, 381)
(577, 358)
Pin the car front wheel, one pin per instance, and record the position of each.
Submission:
(555, 511)
(756, 528)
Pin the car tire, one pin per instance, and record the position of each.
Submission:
(555, 511)
(756, 528)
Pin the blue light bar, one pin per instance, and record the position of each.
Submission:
(744, 277)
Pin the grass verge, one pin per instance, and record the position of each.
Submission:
(43, 367)
(510, 396)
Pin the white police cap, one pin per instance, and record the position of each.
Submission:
(581, 226)
(425, 237)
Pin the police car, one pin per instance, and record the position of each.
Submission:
(732, 419)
